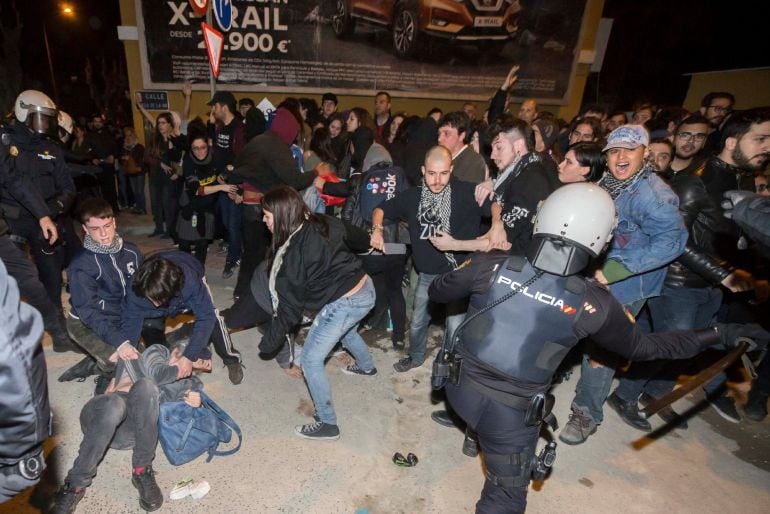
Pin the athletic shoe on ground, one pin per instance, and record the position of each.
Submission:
(235, 372)
(578, 428)
(725, 407)
(318, 430)
(355, 370)
(67, 499)
(443, 418)
(629, 412)
(150, 495)
(405, 364)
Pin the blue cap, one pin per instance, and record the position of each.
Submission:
(628, 137)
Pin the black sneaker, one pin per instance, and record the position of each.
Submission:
(725, 407)
(80, 371)
(227, 272)
(66, 499)
(150, 495)
(353, 369)
(318, 430)
(235, 372)
(629, 412)
(405, 364)
(443, 418)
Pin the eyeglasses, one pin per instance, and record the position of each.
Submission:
(721, 109)
(687, 136)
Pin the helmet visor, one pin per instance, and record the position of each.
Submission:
(43, 123)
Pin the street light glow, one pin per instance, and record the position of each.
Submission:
(67, 9)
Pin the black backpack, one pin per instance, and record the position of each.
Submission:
(381, 182)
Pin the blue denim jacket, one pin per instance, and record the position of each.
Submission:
(650, 234)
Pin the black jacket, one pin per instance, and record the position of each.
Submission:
(314, 271)
(266, 161)
(699, 265)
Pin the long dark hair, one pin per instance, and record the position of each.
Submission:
(158, 145)
(289, 212)
(365, 120)
(321, 144)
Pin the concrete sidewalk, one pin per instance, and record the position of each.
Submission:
(714, 466)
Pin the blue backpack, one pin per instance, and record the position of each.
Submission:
(382, 181)
(186, 432)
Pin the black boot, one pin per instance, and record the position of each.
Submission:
(63, 343)
(67, 499)
(150, 495)
(470, 443)
(80, 371)
(629, 412)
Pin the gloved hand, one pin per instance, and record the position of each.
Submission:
(733, 198)
(730, 333)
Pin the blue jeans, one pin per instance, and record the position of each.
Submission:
(677, 308)
(232, 218)
(336, 321)
(594, 385)
(418, 333)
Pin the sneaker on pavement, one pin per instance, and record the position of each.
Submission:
(578, 428)
(318, 430)
(67, 499)
(756, 407)
(353, 369)
(725, 407)
(405, 364)
(629, 412)
(235, 372)
(150, 495)
(228, 271)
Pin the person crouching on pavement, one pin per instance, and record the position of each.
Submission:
(313, 267)
(126, 416)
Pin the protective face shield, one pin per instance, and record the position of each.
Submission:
(66, 126)
(38, 112)
(572, 225)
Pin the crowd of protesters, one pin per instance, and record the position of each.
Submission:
(350, 215)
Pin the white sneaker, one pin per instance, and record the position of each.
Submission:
(189, 487)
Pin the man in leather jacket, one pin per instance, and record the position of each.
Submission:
(690, 297)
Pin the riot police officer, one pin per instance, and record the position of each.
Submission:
(525, 314)
(35, 153)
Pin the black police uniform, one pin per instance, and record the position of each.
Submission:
(509, 353)
(19, 185)
(43, 162)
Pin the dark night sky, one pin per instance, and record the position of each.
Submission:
(653, 43)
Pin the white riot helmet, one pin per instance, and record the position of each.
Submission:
(572, 225)
(37, 111)
(66, 126)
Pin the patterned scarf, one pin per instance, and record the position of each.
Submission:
(93, 246)
(615, 187)
(515, 168)
(437, 208)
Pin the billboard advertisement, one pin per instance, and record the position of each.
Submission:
(419, 48)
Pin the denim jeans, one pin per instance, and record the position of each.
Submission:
(137, 187)
(121, 421)
(677, 308)
(336, 321)
(418, 333)
(594, 385)
(232, 217)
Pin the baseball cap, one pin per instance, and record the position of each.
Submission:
(329, 96)
(628, 137)
(222, 97)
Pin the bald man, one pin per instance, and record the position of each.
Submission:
(528, 110)
(440, 210)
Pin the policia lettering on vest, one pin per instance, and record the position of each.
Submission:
(525, 313)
